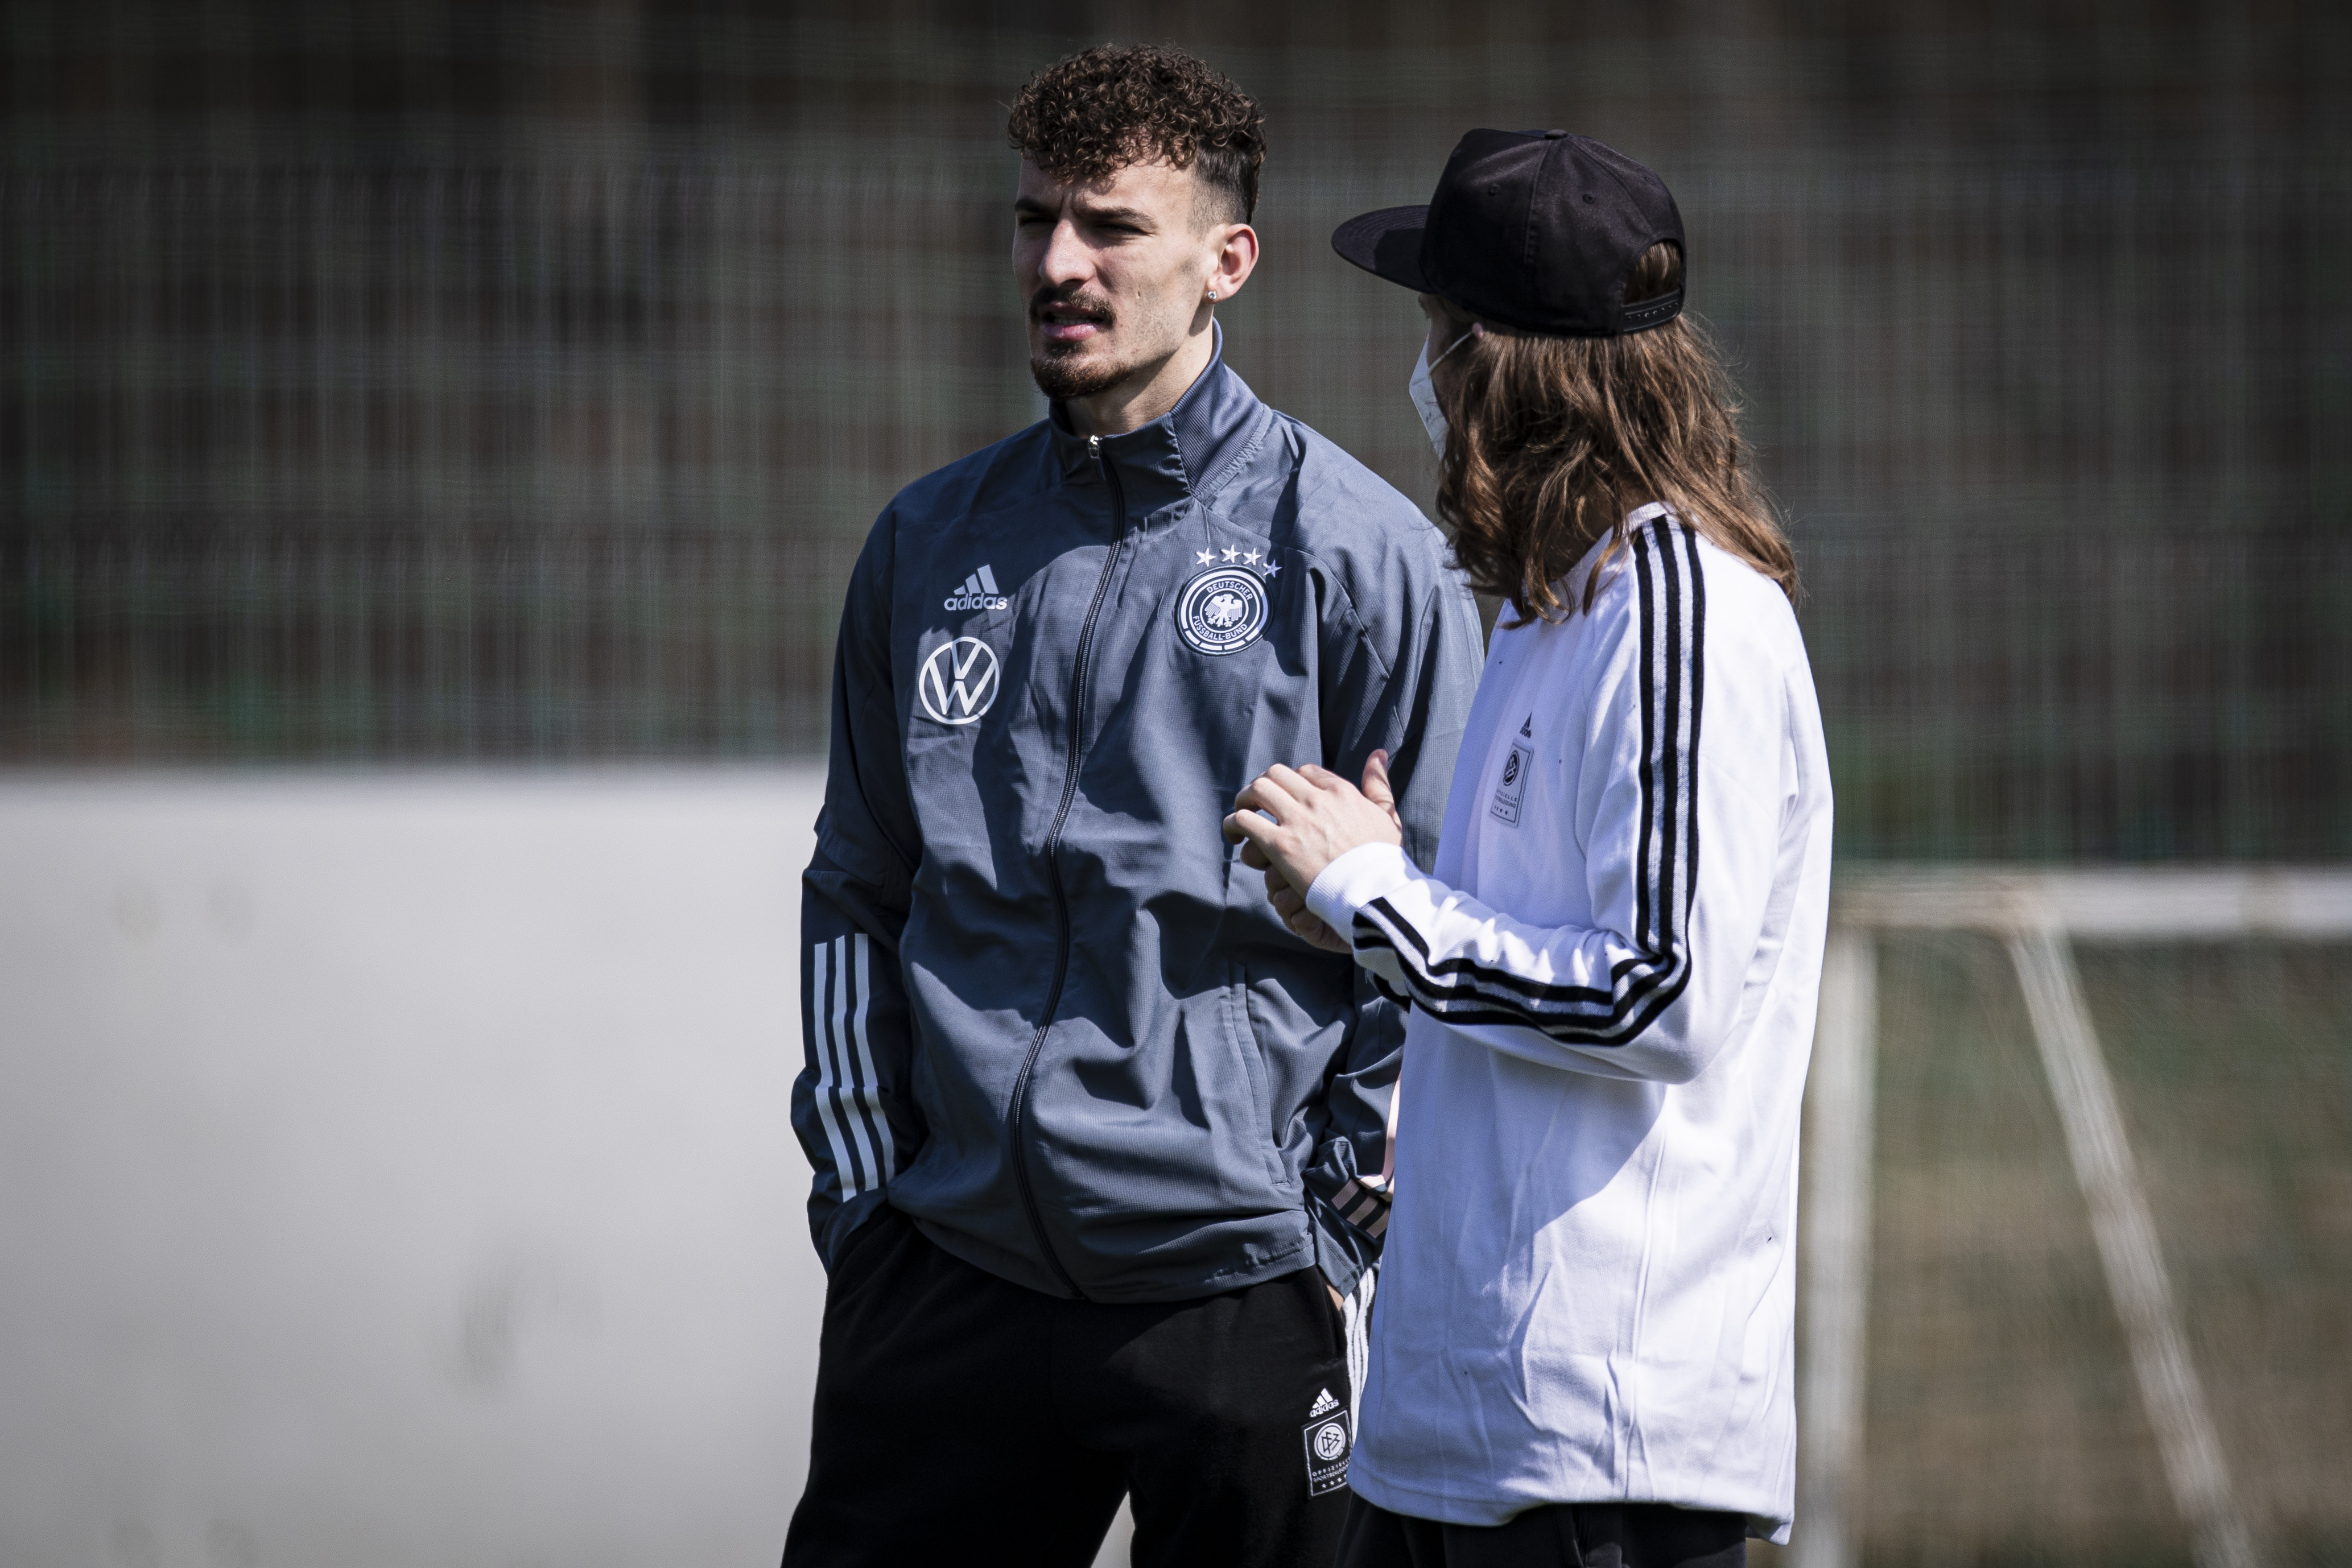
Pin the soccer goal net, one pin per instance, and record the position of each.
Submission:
(2076, 1256)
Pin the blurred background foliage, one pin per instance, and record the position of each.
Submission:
(459, 380)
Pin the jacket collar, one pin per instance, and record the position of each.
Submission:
(1191, 450)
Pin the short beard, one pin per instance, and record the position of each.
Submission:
(1063, 379)
(1062, 372)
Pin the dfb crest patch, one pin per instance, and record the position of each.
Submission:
(1513, 789)
(1325, 1433)
(1222, 611)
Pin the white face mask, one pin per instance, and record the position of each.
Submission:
(1424, 392)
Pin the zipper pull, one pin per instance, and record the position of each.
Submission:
(1094, 448)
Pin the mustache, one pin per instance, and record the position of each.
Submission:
(1071, 300)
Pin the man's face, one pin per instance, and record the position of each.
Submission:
(1114, 272)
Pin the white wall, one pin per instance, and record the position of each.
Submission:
(397, 1170)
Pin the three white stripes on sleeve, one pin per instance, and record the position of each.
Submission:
(848, 1088)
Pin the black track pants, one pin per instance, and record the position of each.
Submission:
(1561, 1535)
(961, 1418)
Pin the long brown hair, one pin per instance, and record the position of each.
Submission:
(1553, 440)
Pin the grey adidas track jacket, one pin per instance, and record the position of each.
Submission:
(1047, 1012)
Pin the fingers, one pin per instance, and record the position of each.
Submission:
(1305, 780)
(1274, 789)
(1261, 794)
(1250, 831)
(1298, 820)
(1290, 905)
(1377, 788)
(1324, 779)
(1283, 785)
(1380, 790)
(1316, 933)
(1289, 900)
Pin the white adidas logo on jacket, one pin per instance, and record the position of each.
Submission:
(978, 593)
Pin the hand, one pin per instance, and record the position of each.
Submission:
(1291, 905)
(1316, 817)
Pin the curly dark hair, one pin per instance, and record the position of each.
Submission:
(1116, 104)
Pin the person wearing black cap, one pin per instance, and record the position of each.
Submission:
(1582, 1351)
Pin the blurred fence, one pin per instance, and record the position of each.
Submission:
(517, 382)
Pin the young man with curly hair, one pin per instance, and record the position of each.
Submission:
(1584, 1351)
(1100, 1145)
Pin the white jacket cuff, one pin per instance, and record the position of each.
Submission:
(1355, 880)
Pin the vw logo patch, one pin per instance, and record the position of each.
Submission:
(958, 681)
(1222, 611)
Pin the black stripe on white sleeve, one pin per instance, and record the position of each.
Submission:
(1671, 594)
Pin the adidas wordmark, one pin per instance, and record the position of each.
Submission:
(978, 593)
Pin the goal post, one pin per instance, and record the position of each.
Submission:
(2035, 915)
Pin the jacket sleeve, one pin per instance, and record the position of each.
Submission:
(1413, 699)
(851, 1105)
(1678, 801)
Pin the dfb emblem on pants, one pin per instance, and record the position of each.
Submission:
(1325, 1433)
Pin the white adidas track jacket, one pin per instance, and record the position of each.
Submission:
(1589, 1288)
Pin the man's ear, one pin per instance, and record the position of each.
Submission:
(1235, 259)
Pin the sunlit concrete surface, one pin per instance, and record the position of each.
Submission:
(397, 1171)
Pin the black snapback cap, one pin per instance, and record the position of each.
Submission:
(1537, 230)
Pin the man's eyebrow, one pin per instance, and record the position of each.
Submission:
(1136, 216)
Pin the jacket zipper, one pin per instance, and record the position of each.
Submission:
(1023, 1083)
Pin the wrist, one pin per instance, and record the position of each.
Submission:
(1353, 879)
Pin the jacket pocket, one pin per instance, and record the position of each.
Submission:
(1253, 1066)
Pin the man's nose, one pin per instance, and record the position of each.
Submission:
(1066, 258)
